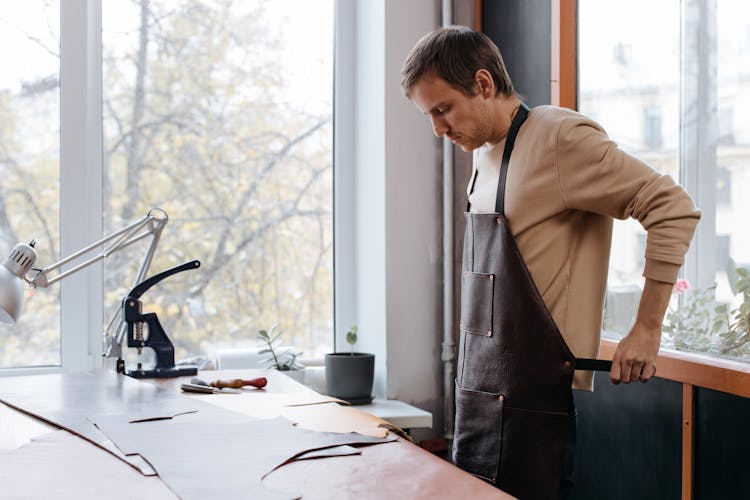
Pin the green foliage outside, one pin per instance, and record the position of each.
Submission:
(702, 325)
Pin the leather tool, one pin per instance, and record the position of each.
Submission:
(206, 389)
(238, 383)
(228, 386)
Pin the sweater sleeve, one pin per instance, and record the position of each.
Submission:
(595, 175)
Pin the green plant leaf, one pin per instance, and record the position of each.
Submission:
(351, 338)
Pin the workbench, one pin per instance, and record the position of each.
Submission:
(39, 460)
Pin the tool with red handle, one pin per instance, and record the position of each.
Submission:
(238, 383)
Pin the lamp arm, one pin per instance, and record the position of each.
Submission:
(113, 344)
(151, 225)
(154, 223)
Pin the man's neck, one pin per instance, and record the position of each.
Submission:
(505, 110)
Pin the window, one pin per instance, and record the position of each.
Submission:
(652, 127)
(683, 67)
(236, 147)
(29, 168)
(723, 186)
(726, 125)
(217, 112)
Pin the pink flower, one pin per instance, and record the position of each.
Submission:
(681, 286)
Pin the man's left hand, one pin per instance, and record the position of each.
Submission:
(635, 356)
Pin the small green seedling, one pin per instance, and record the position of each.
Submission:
(351, 337)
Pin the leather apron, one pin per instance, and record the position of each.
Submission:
(515, 371)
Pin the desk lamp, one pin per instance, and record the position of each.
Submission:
(17, 267)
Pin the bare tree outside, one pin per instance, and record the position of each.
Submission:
(199, 121)
(29, 169)
(203, 117)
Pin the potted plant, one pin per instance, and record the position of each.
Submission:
(282, 359)
(349, 375)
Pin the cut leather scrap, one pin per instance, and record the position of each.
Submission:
(62, 466)
(334, 451)
(334, 418)
(66, 400)
(396, 430)
(260, 404)
(160, 417)
(216, 459)
(309, 411)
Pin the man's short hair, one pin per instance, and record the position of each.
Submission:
(455, 53)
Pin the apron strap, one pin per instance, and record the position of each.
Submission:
(600, 365)
(518, 120)
(515, 125)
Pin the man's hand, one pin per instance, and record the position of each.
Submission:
(635, 356)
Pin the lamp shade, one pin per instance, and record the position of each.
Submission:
(12, 271)
(11, 296)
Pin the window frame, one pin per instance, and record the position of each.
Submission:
(693, 152)
(81, 161)
(344, 179)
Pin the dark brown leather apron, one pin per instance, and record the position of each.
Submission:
(515, 371)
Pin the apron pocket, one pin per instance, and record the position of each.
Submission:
(532, 444)
(477, 290)
(478, 432)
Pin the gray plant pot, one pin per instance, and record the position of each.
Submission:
(349, 376)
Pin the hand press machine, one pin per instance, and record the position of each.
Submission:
(157, 338)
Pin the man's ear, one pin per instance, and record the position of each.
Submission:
(484, 83)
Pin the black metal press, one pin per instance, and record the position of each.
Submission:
(157, 338)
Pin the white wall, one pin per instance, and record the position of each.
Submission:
(413, 220)
(392, 240)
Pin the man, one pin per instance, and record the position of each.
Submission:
(546, 184)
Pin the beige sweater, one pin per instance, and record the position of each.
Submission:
(566, 181)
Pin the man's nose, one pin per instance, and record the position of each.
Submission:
(439, 126)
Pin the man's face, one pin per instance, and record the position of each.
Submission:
(465, 120)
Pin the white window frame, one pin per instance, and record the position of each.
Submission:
(344, 234)
(81, 160)
(698, 133)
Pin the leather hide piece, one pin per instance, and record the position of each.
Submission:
(67, 400)
(198, 449)
(214, 459)
(62, 466)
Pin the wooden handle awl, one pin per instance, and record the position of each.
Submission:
(237, 383)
